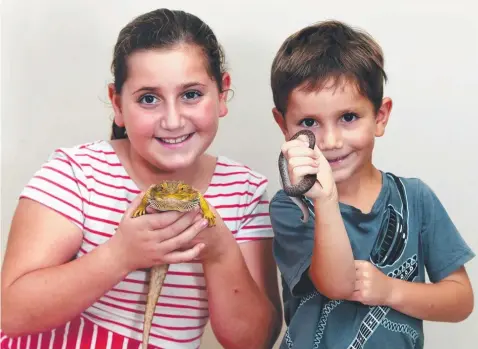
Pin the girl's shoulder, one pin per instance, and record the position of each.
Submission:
(232, 171)
(88, 152)
(87, 157)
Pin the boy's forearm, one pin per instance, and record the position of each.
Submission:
(241, 315)
(50, 297)
(332, 267)
(447, 301)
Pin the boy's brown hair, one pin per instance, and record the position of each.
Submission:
(330, 49)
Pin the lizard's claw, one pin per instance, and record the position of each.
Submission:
(211, 219)
(139, 212)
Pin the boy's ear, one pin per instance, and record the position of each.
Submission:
(383, 116)
(115, 100)
(226, 84)
(280, 120)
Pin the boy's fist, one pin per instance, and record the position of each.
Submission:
(304, 161)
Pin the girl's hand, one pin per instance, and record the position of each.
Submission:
(157, 238)
(216, 240)
(303, 161)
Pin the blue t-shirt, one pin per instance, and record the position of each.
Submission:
(407, 232)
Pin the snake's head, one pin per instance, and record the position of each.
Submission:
(173, 196)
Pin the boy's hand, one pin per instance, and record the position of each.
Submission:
(372, 287)
(303, 161)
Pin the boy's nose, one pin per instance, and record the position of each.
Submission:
(331, 139)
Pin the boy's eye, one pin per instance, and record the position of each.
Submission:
(308, 122)
(349, 117)
(148, 99)
(192, 94)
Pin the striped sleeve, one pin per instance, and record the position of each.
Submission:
(256, 223)
(60, 184)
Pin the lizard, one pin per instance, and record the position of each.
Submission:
(296, 192)
(167, 196)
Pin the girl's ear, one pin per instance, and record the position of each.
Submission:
(226, 84)
(115, 100)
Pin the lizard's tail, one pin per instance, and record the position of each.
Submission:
(158, 274)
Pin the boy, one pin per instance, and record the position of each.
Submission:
(353, 275)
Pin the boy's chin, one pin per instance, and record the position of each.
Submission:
(342, 175)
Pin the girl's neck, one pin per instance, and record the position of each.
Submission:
(362, 189)
(198, 174)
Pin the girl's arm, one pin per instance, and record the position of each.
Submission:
(42, 287)
(244, 302)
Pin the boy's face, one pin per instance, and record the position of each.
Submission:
(343, 121)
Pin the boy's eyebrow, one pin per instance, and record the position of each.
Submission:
(349, 110)
(183, 87)
(343, 111)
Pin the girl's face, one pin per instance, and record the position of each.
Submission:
(169, 105)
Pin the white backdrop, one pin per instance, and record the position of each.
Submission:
(55, 70)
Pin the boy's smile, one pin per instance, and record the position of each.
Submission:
(343, 121)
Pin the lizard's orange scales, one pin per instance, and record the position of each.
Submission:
(167, 196)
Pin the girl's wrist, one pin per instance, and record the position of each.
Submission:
(223, 248)
(116, 254)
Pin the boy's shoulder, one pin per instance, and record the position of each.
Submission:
(282, 208)
(411, 182)
(415, 188)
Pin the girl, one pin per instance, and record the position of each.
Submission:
(74, 270)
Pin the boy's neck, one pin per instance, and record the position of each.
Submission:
(362, 189)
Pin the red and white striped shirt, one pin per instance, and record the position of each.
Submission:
(88, 185)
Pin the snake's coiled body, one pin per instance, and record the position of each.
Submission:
(296, 192)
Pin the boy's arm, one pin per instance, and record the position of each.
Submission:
(450, 299)
(332, 265)
(449, 296)
(332, 261)
(297, 250)
(445, 253)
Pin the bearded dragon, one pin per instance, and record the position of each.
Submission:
(167, 196)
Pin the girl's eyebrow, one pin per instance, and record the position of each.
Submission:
(152, 88)
(191, 84)
(145, 89)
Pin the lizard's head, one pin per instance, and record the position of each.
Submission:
(173, 195)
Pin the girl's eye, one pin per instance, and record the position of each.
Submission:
(192, 94)
(308, 122)
(148, 99)
(349, 117)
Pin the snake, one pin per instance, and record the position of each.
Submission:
(296, 192)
